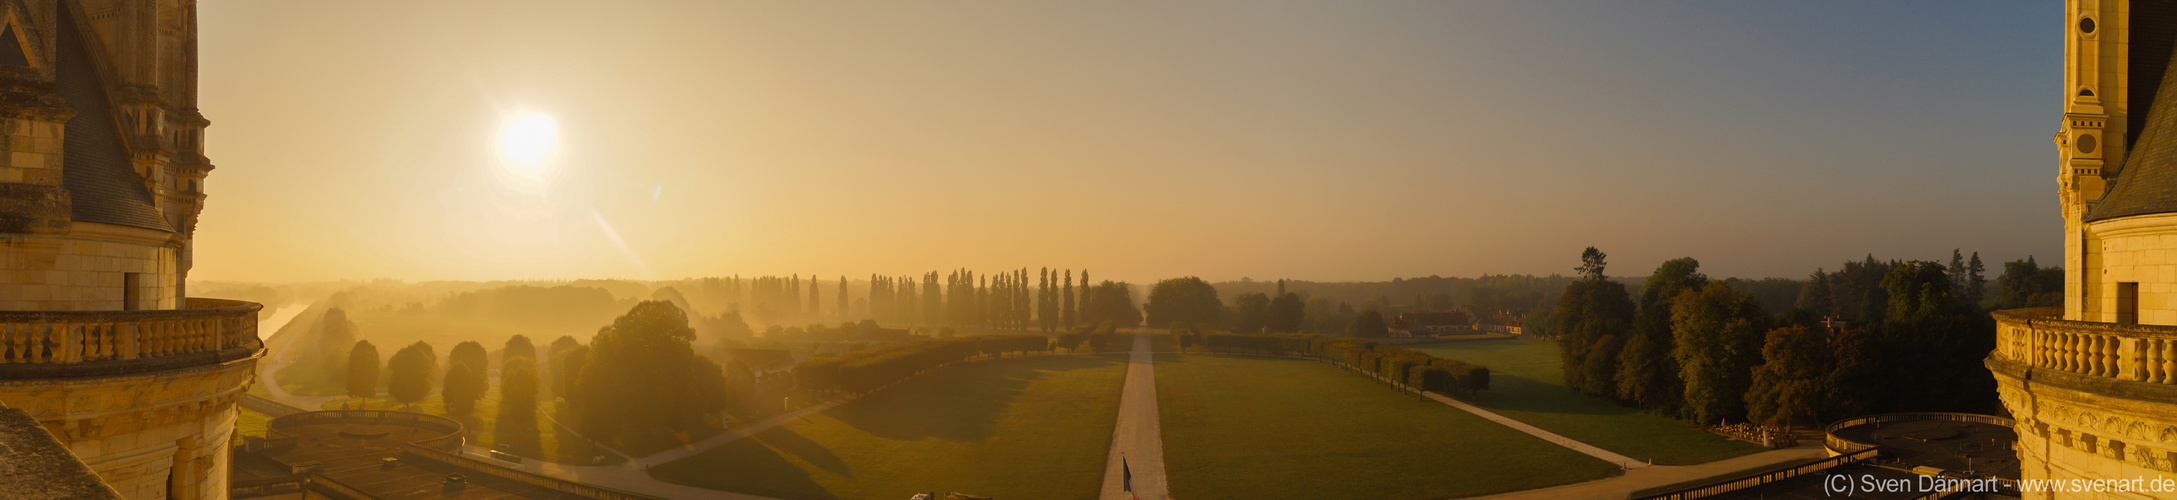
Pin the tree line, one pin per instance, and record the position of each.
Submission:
(1190, 300)
(638, 378)
(1911, 339)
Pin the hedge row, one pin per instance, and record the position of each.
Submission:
(1096, 337)
(1413, 368)
(868, 369)
(1001, 344)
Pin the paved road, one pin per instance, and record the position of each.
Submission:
(1590, 450)
(1138, 439)
(1616, 488)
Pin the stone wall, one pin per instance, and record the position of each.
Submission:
(2140, 250)
(136, 430)
(85, 270)
(2066, 433)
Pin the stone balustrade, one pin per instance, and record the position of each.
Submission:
(2040, 339)
(85, 343)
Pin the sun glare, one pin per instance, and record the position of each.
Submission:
(526, 140)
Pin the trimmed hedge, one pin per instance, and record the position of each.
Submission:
(1413, 368)
(1023, 343)
(868, 369)
(1101, 337)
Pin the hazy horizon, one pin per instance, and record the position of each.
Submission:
(1322, 142)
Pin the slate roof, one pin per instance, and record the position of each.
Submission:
(34, 465)
(102, 186)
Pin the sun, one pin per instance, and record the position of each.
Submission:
(526, 141)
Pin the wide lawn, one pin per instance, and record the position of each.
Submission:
(1238, 427)
(1526, 385)
(1036, 427)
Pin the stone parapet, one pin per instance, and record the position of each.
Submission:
(2091, 400)
(73, 344)
(2039, 338)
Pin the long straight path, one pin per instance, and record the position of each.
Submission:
(1138, 440)
(1617, 488)
(1589, 449)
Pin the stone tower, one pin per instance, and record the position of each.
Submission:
(101, 182)
(2093, 385)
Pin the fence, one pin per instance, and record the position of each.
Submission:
(1762, 478)
(1841, 445)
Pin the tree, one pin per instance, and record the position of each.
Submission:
(1956, 271)
(1187, 299)
(1066, 315)
(518, 382)
(1647, 374)
(644, 378)
(1919, 290)
(2025, 284)
(567, 366)
(335, 334)
(1286, 313)
(463, 387)
(517, 421)
(1369, 325)
(517, 346)
(1976, 282)
(409, 373)
(726, 325)
(1719, 333)
(1113, 302)
(465, 380)
(1592, 263)
(1788, 386)
(363, 370)
(1591, 309)
(1253, 312)
(1654, 376)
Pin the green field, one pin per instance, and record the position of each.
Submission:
(1035, 427)
(1238, 427)
(1526, 385)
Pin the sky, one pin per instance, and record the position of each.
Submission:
(1328, 141)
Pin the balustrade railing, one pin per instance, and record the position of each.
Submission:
(2041, 339)
(56, 337)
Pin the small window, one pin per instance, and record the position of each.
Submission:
(2086, 25)
(2128, 303)
(132, 295)
(2086, 92)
